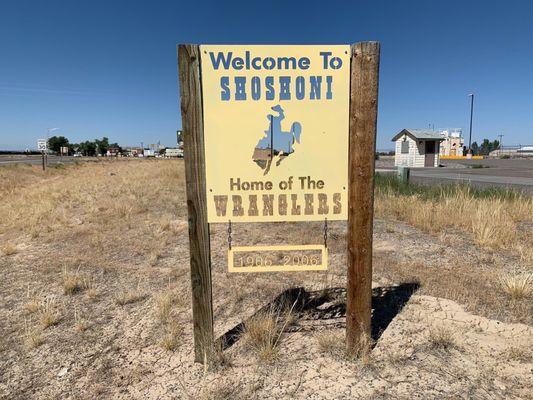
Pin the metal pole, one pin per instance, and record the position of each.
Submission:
(471, 115)
(271, 140)
(42, 153)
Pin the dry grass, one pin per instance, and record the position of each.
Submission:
(332, 343)
(164, 302)
(490, 216)
(124, 297)
(519, 353)
(80, 324)
(361, 350)
(49, 314)
(172, 336)
(33, 302)
(91, 290)
(496, 220)
(442, 337)
(111, 225)
(9, 249)
(518, 286)
(33, 337)
(492, 225)
(70, 199)
(167, 305)
(480, 291)
(72, 281)
(264, 331)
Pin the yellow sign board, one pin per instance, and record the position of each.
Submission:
(276, 132)
(308, 257)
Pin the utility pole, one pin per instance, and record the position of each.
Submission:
(471, 95)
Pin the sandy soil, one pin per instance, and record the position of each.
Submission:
(426, 346)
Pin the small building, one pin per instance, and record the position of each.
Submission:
(134, 152)
(452, 145)
(113, 152)
(417, 148)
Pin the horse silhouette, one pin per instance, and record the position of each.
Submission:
(276, 142)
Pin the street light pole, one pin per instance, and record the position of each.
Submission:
(471, 95)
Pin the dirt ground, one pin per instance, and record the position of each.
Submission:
(95, 301)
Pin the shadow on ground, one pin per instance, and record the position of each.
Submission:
(325, 309)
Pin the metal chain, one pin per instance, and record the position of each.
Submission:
(229, 234)
(326, 233)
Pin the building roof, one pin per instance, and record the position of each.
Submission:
(419, 134)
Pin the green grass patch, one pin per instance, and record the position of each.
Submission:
(389, 183)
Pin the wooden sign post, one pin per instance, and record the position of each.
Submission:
(363, 122)
(327, 94)
(199, 245)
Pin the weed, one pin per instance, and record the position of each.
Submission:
(442, 337)
(163, 303)
(172, 335)
(165, 223)
(72, 282)
(263, 333)
(49, 315)
(128, 296)
(519, 353)
(89, 284)
(517, 286)
(332, 344)
(33, 337)
(33, 303)
(80, 324)
(493, 223)
(9, 249)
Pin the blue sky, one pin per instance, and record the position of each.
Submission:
(108, 68)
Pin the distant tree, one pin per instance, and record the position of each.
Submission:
(102, 145)
(116, 145)
(487, 146)
(56, 142)
(475, 148)
(87, 148)
(484, 149)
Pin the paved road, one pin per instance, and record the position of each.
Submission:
(513, 173)
(34, 159)
(467, 176)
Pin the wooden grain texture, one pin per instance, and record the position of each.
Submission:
(363, 122)
(200, 253)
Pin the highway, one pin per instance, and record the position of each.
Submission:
(512, 173)
(34, 159)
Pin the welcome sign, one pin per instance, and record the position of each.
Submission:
(276, 132)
